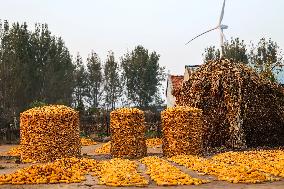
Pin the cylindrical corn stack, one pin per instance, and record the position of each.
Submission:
(49, 132)
(127, 133)
(182, 131)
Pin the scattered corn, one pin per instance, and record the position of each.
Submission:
(268, 161)
(87, 142)
(163, 173)
(66, 170)
(104, 149)
(15, 151)
(223, 171)
(153, 142)
(119, 172)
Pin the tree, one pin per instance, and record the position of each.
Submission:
(7, 58)
(143, 76)
(211, 53)
(34, 66)
(15, 61)
(267, 58)
(234, 49)
(94, 79)
(112, 85)
(81, 84)
(52, 67)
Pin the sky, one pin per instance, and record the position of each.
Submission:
(163, 26)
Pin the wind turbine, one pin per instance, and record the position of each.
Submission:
(220, 26)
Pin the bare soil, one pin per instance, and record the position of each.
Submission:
(10, 164)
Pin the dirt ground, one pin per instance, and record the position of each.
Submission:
(11, 164)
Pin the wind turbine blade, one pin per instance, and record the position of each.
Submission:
(202, 34)
(222, 12)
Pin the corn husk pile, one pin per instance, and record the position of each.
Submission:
(240, 107)
(182, 131)
(127, 133)
(49, 133)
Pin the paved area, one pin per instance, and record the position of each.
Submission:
(11, 164)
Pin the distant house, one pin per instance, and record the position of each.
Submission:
(280, 76)
(174, 82)
(188, 70)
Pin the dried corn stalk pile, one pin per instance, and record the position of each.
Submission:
(49, 132)
(182, 131)
(240, 107)
(127, 133)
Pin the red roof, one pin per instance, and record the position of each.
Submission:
(177, 81)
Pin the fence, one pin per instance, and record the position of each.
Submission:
(9, 134)
(97, 123)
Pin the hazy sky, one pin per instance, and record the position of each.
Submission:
(160, 25)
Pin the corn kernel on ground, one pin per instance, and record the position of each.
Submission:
(66, 170)
(120, 172)
(87, 142)
(237, 167)
(165, 174)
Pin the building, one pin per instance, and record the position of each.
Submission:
(188, 70)
(174, 82)
(280, 76)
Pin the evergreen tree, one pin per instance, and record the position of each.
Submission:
(52, 67)
(94, 79)
(112, 85)
(16, 58)
(34, 66)
(81, 84)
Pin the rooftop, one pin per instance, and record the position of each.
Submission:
(177, 81)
